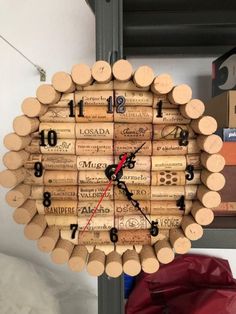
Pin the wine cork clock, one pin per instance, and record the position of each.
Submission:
(113, 170)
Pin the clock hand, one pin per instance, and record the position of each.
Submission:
(113, 178)
(130, 163)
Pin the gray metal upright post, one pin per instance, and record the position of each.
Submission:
(109, 47)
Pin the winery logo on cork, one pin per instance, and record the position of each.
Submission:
(112, 169)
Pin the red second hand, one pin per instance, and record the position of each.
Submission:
(119, 166)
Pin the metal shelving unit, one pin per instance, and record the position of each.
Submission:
(155, 28)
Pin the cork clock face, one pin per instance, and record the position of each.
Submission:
(113, 169)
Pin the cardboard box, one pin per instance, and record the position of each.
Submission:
(224, 73)
(228, 151)
(227, 135)
(228, 193)
(223, 109)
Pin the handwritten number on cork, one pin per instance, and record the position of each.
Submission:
(51, 138)
(113, 235)
(74, 228)
(38, 167)
(46, 199)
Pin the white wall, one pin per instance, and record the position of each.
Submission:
(56, 35)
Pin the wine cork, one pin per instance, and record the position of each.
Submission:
(97, 223)
(167, 221)
(90, 248)
(62, 82)
(62, 252)
(169, 116)
(57, 192)
(203, 216)
(24, 213)
(168, 178)
(86, 208)
(35, 228)
(141, 162)
(169, 208)
(215, 181)
(63, 146)
(62, 222)
(92, 177)
(17, 196)
(11, 178)
(113, 265)
(63, 130)
(125, 237)
(192, 230)
(93, 98)
(207, 197)
(47, 94)
(67, 235)
(96, 263)
(97, 86)
(23, 125)
(58, 115)
(136, 177)
(131, 263)
(122, 70)
(101, 71)
(205, 125)
(91, 193)
(161, 100)
(81, 74)
(58, 207)
(121, 147)
(162, 234)
(132, 131)
(162, 84)
(166, 193)
(148, 260)
(14, 160)
(48, 240)
(78, 258)
(172, 147)
(106, 249)
(31, 179)
(94, 162)
(194, 160)
(141, 192)
(122, 248)
(171, 131)
(168, 163)
(135, 115)
(60, 177)
(15, 142)
(213, 163)
(128, 86)
(63, 101)
(143, 76)
(126, 208)
(135, 98)
(164, 252)
(94, 148)
(95, 131)
(32, 108)
(180, 94)
(211, 144)
(194, 109)
(52, 162)
(180, 243)
(94, 114)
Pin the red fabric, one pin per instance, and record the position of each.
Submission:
(191, 284)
